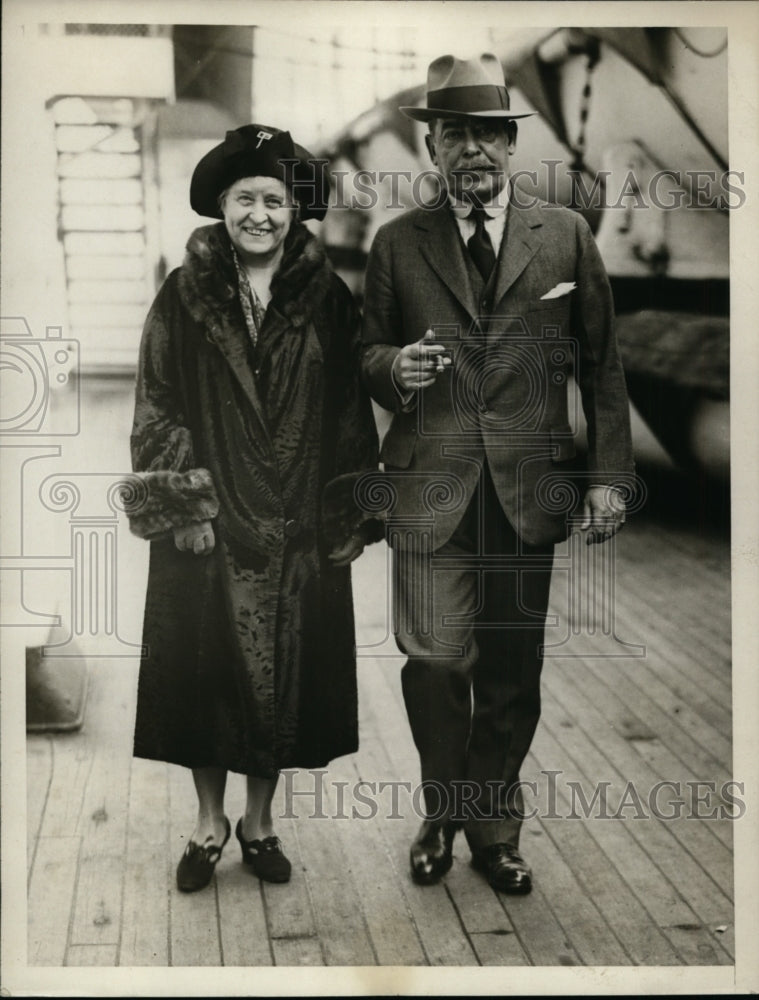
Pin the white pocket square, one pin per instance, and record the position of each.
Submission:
(563, 288)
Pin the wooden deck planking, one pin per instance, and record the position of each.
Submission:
(242, 918)
(658, 625)
(51, 893)
(620, 749)
(684, 546)
(543, 938)
(55, 863)
(491, 933)
(149, 868)
(690, 668)
(92, 954)
(561, 743)
(703, 610)
(297, 951)
(707, 743)
(652, 707)
(594, 938)
(288, 907)
(659, 897)
(385, 908)
(712, 809)
(335, 894)
(660, 636)
(606, 892)
(676, 585)
(431, 907)
(103, 819)
(666, 718)
(39, 773)
(71, 764)
(601, 882)
(658, 839)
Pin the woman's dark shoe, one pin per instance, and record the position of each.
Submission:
(431, 853)
(265, 857)
(196, 865)
(504, 867)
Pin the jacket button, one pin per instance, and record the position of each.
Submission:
(291, 528)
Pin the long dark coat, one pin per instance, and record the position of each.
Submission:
(250, 660)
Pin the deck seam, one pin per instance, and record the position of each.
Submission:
(33, 859)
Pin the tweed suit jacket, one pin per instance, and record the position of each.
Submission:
(506, 398)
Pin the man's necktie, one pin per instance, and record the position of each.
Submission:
(479, 245)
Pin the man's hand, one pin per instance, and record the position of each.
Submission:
(197, 538)
(345, 554)
(419, 364)
(603, 512)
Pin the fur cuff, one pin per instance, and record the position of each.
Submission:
(343, 515)
(156, 502)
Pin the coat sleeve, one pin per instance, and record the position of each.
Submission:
(382, 329)
(599, 371)
(171, 491)
(356, 450)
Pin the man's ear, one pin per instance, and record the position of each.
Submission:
(430, 144)
(511, 136)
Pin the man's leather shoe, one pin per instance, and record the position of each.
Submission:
(504, 868)
(432, 852)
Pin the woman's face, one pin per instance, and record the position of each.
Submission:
(258, 213)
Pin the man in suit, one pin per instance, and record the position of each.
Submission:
(476, 313)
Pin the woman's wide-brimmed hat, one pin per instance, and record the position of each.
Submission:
(260, 151)
(466, 88)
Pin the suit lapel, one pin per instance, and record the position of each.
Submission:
(443, 251)
(521, 241)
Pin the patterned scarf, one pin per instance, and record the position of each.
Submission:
(252, 308)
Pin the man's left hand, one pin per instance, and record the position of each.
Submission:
(603, 512)
(346, 553)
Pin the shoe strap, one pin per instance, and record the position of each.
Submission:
(269, 845)
(210, 853)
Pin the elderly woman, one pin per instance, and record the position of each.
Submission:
(250, 430)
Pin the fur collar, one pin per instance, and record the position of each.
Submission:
(208, 279)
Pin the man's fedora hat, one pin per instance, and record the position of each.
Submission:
(260, 151)
(464, 88)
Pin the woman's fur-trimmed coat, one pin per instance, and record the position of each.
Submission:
(250, 661)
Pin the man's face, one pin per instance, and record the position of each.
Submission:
(472, 154)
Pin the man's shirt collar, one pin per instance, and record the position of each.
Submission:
(462, 208)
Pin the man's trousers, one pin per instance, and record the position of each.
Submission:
(470, 617)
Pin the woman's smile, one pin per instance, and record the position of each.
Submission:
(258, 212)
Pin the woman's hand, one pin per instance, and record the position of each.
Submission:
(351, 550)
(197, 538)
